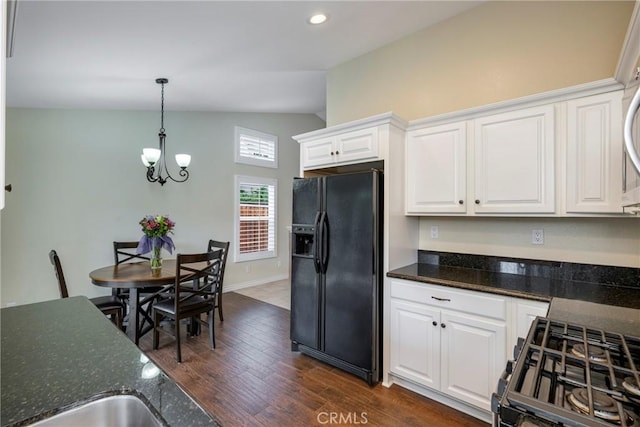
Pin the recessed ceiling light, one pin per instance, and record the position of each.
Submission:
(318, 18)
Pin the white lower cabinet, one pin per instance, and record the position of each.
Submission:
(451, 341)
(472, 357)
(415, 342)
(523, 313)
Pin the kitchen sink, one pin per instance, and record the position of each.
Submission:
(122, 410)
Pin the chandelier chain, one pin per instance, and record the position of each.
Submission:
(162, 109)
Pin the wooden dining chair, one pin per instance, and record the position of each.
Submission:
(192, 294)
(123, 252)
(224, 248)
(126, 252)
(111, 305)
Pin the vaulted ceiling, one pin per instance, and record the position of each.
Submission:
(242, 56)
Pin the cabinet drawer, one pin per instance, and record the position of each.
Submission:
(449, 298)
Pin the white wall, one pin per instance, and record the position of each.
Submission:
(79, 185)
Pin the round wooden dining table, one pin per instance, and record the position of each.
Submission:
(135, 277)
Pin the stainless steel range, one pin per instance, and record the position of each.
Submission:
(569, 374)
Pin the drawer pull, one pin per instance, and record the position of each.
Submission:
(441, 299)
(435, 323)
(443, 325)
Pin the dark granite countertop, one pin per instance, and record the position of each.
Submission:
(59, 352)
(521, 286)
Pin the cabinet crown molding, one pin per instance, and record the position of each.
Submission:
(553, 96)
(380, 119)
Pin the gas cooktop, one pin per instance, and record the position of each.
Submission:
(569, 374)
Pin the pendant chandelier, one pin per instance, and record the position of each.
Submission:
(153, 157)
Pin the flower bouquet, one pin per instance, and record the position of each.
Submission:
(156, 230)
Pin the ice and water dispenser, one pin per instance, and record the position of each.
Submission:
(303, 240)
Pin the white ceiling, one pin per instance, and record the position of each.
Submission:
(244, 56)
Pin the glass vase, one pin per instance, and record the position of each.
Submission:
(156, 261)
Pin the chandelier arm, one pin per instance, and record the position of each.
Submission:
(150, 177)
(183, 173)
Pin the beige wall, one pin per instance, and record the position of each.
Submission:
(608, 241)
(494, 52)
(78, 185)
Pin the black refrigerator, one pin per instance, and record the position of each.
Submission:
(336, 271)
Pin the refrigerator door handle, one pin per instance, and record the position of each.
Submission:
(324, 236)
(316, 243)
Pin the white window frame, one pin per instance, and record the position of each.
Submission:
(239, 180)
(264, 140)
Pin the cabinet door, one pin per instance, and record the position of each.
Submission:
(594, 154)
(473, 357)
(318, 153)
(357, 145)
(436, 169)
(415, 342)
(514, 162)
(526, 312)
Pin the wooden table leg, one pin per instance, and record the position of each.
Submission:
(133, 329)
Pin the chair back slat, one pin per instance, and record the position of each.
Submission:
(195, 276)
(125, 251)
(224, 249)
(62, 284)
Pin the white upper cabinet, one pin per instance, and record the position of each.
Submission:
(553, 154)
(514, 162)
(349, 147)
(437, 169)
(594, 154)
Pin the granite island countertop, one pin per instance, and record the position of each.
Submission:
(519, 286)
(59, 352)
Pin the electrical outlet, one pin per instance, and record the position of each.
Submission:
(537, 236)
(247, 269)
(434, 231)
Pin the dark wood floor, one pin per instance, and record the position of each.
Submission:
(253, 378)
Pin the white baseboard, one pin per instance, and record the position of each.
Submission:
(256, 282)
(478, 413)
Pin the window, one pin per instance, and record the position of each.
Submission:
(256, 148)
(255, 218)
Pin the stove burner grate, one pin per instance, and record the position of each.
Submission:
(571, 375)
